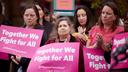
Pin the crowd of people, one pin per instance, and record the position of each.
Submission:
(62, 29)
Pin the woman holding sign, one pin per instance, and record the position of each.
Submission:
(107, 26)
(62, 33)
(31, 21)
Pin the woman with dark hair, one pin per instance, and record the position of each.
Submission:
(45, 24)
(30, 16)
(82, 22)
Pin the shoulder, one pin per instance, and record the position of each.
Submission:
(120, 29)
(94, 29)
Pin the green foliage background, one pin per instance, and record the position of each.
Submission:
(122, 5)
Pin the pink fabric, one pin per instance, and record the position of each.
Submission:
(107, 36)
(4, 56)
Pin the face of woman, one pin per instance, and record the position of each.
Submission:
(82, 16)
(30, 17)
(107, 15)
(41, 13)
(63, 28)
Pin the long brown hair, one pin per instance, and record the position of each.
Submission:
(113, 6)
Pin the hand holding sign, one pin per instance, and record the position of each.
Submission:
(60, 57)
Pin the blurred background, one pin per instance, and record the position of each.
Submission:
(11, 8)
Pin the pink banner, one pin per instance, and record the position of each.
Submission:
(19, 41)
(64, 4)
(119, 40)
(55, 57)
(94, 60)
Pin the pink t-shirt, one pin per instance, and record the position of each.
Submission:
(107, 36)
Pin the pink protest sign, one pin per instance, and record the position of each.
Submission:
(55, 57)
(118, 42)
(94, 60)
(64, 4)
(19, 41)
